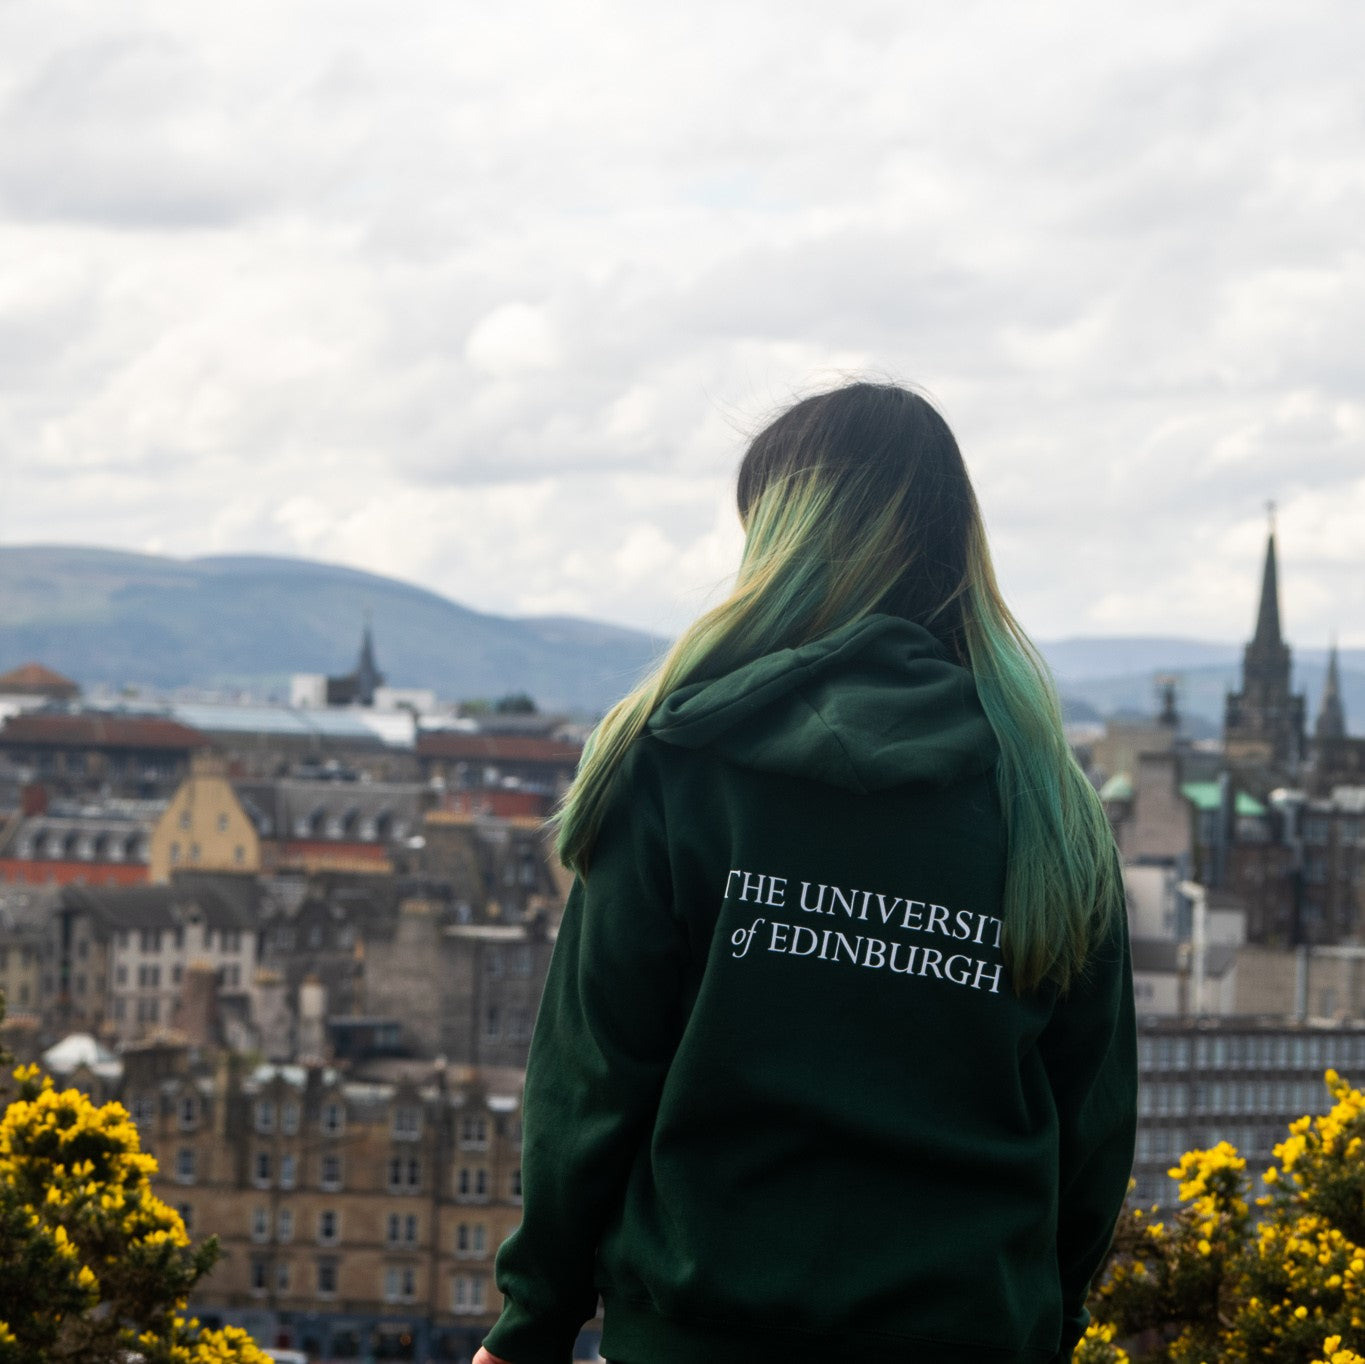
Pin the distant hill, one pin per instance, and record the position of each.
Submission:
(249, 622)
(246, 622)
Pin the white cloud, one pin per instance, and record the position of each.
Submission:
(490, 301)
(514, 339)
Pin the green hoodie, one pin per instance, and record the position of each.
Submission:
(783, 1103)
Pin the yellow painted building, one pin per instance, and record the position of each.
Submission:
(204, 828)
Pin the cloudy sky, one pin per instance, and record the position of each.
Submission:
(487, 298)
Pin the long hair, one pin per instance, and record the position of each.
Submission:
(857, 501)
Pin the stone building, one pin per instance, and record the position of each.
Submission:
(115, 960)
(467, 992)
(64, 841)
(358, 1216)
(79, 753)
(204, 827)
(1264, 726)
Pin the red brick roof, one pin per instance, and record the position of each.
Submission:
(32, 679)
(94, 730)
(508, 748)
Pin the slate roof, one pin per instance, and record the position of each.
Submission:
(293, 809)
(494, 748)
(129, 908)
(96, 729)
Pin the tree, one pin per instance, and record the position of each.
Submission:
(93, 1266)
(1280, 1280)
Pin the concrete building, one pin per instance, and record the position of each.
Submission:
(1242, 1080)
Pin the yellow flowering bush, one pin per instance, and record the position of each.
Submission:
(93, 1266)
(1221, 1280)
(1097, 1346)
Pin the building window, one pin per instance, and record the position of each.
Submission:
(474, 1133)
(405, 1173)
(260, 1224)
(331, 1171)
(284, 1224)
(222, 822)
(514, 1186)
(184, 1165)
(189, 1112)
(468, 1294)
(471, 1240)
(402, 1229)
(472, 1184)
(407, 1123)
(287, 1168)
(185, 819)
(333, 1118)
(186, 1211)
(492, 1023)
(260, 1273)
(144, 1110)
(289, 1118)
(261, 1169)
(265, 1115)
(327, 1278)
(329, 1221)
(282, 1275)
(400, 1283)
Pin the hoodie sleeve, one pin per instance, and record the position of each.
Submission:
(1090, 1051)
(604, 1037)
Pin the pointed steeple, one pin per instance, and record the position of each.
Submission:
(1267, 636)
(1331, 722)
(367, 675)
(1265, 721)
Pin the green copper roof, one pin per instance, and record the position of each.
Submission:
(1204, 795)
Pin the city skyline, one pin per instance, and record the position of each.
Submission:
(490, 303)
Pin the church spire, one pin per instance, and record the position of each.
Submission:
(1331, 722)
(1267, 635)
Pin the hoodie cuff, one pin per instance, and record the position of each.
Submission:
(522, 1337)
(1073, 1328)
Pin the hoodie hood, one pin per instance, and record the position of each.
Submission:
(874, 704)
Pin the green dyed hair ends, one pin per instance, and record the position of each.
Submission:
(857, 501)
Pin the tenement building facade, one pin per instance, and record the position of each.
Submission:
(358, 1217)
